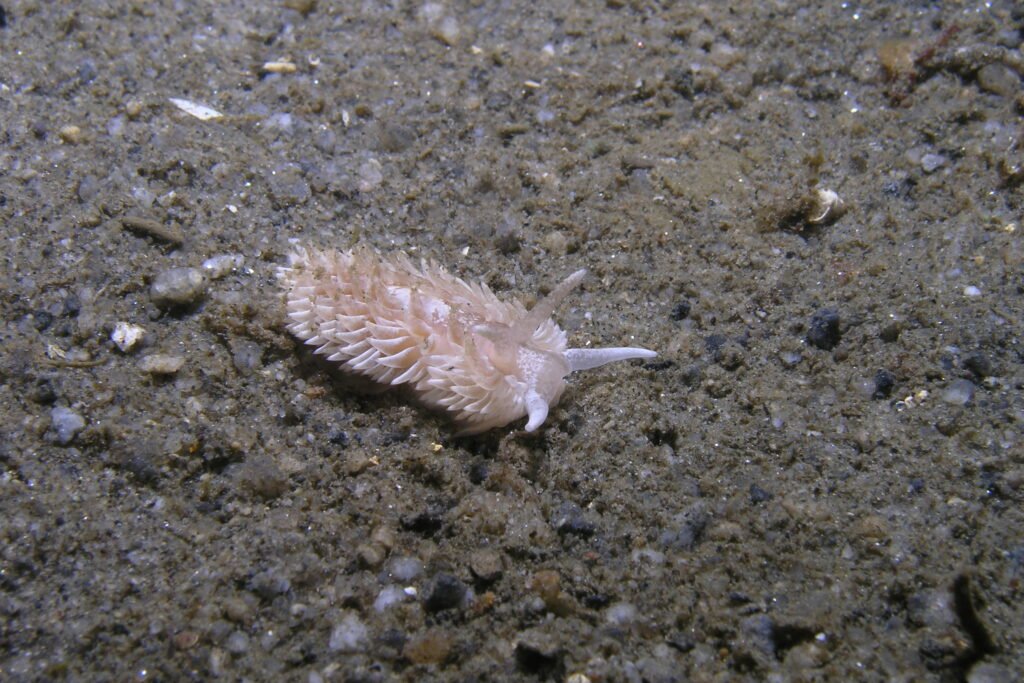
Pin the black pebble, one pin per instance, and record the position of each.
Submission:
(72, 305)
(3, 17)
(339, 438)
(446, 593)
(824, 333)
(884, 383)
(758, 494)
(681, 310)
(979, 365)
(42, 319)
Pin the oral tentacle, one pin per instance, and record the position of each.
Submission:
(585, 359)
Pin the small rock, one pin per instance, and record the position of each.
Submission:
(932, 162)
(126, 335)
(388, 597)
(72, 135)
(790, 359)
(486, 564)
(66, 423)
(959, 392)
(349, 636)
(758, 494)
(287, 186)
(218, 266)
(884, 383)
(681, 310)
(430, 648)
(569, 519)
(261, 475)
(988, 672)
(405, 569)
(178, 287)
(447, 592)
(269, 584)
(370, 175)
(237, 643)
(371, 555)
(978, 365)
(161, 364)
(998, 79)
(824, 332)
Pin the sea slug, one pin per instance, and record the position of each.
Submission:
(486, 361)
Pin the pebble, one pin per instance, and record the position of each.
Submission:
(126, 335)
(66, 423)
(884, 383)
(824, 331)
(287, 186)
(430, 648)
(486, 564)
(405, 569)
(986, 672)
(388, 597)
(959, 392)
(978, 364)
(349, 636)
(237, 643)
(446, 592)
(998, 79)
(370, 175)
(790, 359)
(161, 364)
(932, 162)
(178, 287)
(218, 266)
(681, 310)
(971, 290)
(72, 135)
(621, 614)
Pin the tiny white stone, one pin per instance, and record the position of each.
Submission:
(351, 635)
(971, 290)
(126, 335)
(218, 266)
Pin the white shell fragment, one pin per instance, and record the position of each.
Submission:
(200, 111)
(487, 361)
(829, 207)
(127, 335)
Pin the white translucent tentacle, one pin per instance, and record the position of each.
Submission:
(585, 359)
(537, 409)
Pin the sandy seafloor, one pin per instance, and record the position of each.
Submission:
(820, 478)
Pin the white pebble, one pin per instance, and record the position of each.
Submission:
(405, 569)
(388, 597)
(126, 335)
(351, 635)
(66, 423)
(971, 290)
(370, 175)
(932, 162)
(959, 392)
(620, 614)
(218, 266)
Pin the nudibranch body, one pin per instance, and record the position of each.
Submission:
(486, 361)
